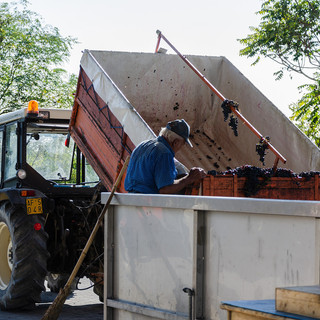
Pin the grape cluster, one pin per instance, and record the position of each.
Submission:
(233, 122)
(261, 148)
(212, 172)
(225, 109)
(309, 174)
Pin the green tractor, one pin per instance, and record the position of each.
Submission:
(49, 203)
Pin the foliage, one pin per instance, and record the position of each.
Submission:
(289, 34)
(306, 113)
(29, 55)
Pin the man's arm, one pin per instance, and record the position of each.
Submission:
(194, 175)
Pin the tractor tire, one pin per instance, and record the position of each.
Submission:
(23, 258)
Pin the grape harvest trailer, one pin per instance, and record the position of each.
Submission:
(166, 255)
(131, 102)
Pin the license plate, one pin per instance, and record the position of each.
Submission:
(34, 206)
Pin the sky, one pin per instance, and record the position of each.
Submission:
(203, 27)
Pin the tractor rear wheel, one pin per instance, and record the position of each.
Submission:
(23, 258)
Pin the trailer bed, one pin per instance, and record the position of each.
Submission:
(124, 98)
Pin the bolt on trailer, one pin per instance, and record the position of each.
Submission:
(48, 206)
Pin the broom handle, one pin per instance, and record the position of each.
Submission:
(219, 94)
(96, 227)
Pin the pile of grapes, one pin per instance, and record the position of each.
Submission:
(233, 122)
(253, 185)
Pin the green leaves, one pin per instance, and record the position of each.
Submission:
(29, 55)
(305, 113)
(289, 34)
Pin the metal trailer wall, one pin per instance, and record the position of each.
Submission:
(222, 248)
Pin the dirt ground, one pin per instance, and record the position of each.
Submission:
(81, 304)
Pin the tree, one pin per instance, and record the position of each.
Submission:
(30, 53)
(305, 113)
(289, 34)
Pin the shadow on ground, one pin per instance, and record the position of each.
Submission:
(80, 305)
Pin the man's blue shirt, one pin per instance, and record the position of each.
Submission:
(151, 167)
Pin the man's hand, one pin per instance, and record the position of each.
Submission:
(196, 174)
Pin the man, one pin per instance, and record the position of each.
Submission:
(152, 169)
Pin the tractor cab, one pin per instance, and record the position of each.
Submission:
(38, 152)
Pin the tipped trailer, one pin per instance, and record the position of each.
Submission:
(179, 256)
(124, 98)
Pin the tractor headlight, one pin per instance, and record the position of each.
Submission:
(21, 174)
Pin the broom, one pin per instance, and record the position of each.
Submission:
(54, 310)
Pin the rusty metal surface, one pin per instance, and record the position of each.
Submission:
(98, 133)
